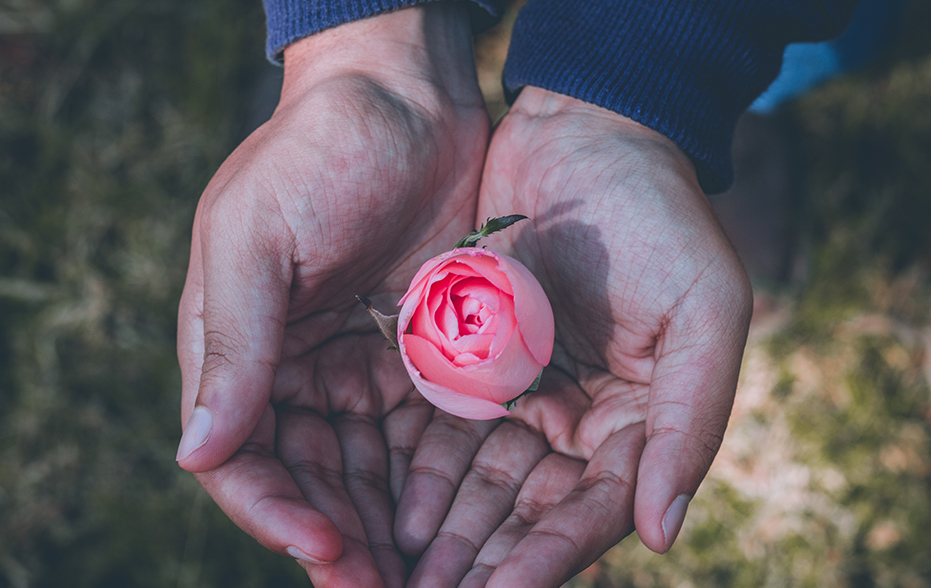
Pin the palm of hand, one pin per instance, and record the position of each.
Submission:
(347, 191)
(651, 308)
(631, 258)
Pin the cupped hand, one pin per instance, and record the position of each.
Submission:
(298, 422)
(652, 309)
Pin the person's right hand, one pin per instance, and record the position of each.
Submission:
(298, 421)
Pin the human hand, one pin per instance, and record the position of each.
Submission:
(303, 423)
(652, 309)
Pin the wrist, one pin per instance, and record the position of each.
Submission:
(419, 51)
(569, 117)
(540, 104)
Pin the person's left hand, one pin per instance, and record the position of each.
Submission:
(651, 308)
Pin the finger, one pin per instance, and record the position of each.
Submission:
(308, 447)
(484, 500)
(247, 278)
(256, 491)
(690, 401)
(403, 428)
(592, 518)
(328, 380)
(557, 407)
(549, 482)
(442, 459)
(365, 476)
(191, 329)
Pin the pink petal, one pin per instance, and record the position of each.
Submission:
(497, 380)
(478, 289)
(466, 359)
(482, 261)
(419, 281)
(423, 320)
(457, 268)
(477, 345)
(485, 262)
(506, 376)
(505, 327)
(460, 405)
(531, 308)
(442, 310)
(422, 324)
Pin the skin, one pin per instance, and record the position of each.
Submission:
(652, 309)
(369, 166)
(374, 161)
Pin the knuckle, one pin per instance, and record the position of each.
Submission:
(306, 469)
(222, 338)
(460, 539)
(464, 433)
(528, 511)
(427, 471)
(496, 477)
(702, 445)
(362, 479)
(569, 546)
(382, 546)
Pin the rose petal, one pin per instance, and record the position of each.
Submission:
(419, 281)
(485, 262)
(460, 405)
(504, 330)
(464, 359)
(423, 326)
(467, 306)
(478, 289)
(477, 345)
(506, 376)
(531, 308)
(499, 380)
(423, 321)
(443, 311)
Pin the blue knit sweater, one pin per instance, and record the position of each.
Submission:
(685, 68)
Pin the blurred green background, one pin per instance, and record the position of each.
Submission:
(114, 115)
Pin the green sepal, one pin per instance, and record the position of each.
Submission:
(533, 388)
(388, 325)
(492, 225)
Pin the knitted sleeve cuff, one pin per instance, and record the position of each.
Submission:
(685, 68)
(291, 20)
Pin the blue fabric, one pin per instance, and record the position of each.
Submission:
(805, 65)
(685, 68)
(292, 20)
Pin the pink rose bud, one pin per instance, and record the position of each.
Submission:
(475, 330)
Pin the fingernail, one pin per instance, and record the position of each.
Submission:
(196, 432)
(298, 554)
(672, 520)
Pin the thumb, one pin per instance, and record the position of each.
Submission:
(246, 279)
(691, 396)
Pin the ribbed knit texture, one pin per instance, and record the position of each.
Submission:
(291, 20)
(685, 68)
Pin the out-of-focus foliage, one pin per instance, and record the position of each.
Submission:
(113, 116)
